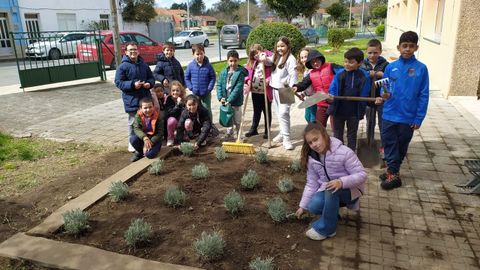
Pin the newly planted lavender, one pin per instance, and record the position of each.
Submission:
(285, 185)
(200, 171)
(75, 221)
(261, 264)
(295, 166)
(220, 153)
(174, 197)
(118, 191)
(277, 209)
(261, 156)
(186, 148)
(156, 167)
(233, 202)
(209, 246)
(138, 232)
(250, 180)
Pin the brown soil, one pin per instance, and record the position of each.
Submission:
(251, 234)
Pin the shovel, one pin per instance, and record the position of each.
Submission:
(320, 96)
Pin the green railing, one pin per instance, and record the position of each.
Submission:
(51, 57)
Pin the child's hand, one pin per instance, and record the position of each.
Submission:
(385, 95)
(146, 85)
(414, 127)
(196, 146)
(372, 74)
(138, 84)
(300, 212)
(262, 57)
(179, 100)
(147, 144)
(378, 100)
(334, 185)
(329, 99)
(294, 89)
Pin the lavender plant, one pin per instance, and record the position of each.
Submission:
(118, 191)
(174, 197)
(75, 221)
(210, 246)
(138, 232)
(250, 180)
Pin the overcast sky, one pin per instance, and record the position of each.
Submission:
(168, 3)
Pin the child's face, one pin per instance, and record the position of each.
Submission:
(407, 49)
(282, 48)
(199, 56)
(316, 142)
(373, 53)
(175, 92)
(158, 92)
(232, 62)
(351, 64)
(169, 52)
(303, 57)
(147, 109)
(316, 63)
(192, 106)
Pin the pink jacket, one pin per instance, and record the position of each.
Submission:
(341, 163)
(267, 75)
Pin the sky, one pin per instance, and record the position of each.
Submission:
(168, 3)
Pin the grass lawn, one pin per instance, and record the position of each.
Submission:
(336, 56)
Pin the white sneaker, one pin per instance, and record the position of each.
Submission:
(130, 148)
(314, 235)
(288, 145)
(278, 138)
(169, 143)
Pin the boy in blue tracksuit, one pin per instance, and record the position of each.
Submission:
(350, 81)
(405, 106)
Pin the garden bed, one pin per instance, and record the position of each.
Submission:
(251, 234)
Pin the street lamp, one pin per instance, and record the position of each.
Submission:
(188, 15)
(248, 12)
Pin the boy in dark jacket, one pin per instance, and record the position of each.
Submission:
(230, 89)
(195, 121)
(351, 81)
(168, 69)
(200, 77)
(148, 128)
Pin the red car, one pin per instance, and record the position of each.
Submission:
(87, 49)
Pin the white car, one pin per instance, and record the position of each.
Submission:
(189, 37)
(56, 46)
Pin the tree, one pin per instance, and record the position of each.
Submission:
(179, 6)
(309, 7)
(226, 6)
(197, 7)
(289, 9)
(337, 10)
(379, 12)
(138, 10)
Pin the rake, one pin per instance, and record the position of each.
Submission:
(239, 147)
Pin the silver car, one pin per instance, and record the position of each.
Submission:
(55, 47)
(187, 38)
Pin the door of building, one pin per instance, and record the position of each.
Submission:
(5, 43)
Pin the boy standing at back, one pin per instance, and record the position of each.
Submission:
(168, 69)
(405, 106)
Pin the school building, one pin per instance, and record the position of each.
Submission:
(449, 40)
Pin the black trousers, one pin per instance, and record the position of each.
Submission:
(352, 128)
(258, 108)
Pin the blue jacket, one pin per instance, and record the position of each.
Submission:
(235, 98)
(409, 89)
(200, 79)
(337, 89)
(169, 69)
(126, 75)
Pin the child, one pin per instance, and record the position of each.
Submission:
(148, 129)
(200, 77)
(254, 83)
(405, 106)
(173, 113)
(161, 101)
(320, 77)
(375, 65)
(350, 81)
(283, 74)
(335, 177)
(168, 68)
(195, 120)
(230, 89)
(310, 112)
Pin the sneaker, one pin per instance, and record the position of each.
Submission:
(314, 235)
(392, 181)
(383, 176)
(203, 143)
(251, 132)
(278, 138)
(136, 156)
(228, 137)
(130, 148)
(288, 145)
(170, 143)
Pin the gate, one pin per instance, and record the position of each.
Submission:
(50, 57)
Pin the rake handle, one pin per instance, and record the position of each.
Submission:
(354, 98)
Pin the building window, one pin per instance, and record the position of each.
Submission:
(104, 22)
(5, 44)
(439, 19)
(66, 21)
(32, 26)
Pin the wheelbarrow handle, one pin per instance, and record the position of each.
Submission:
(354, 98)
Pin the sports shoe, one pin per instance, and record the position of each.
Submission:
(383, 176)
(136, 156)
(314, 235)
(130, 148)
(278, 138)
(288, 145)
(170, 143)
(251, 132)
(392, 181)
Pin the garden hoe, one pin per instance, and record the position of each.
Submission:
(239, 147)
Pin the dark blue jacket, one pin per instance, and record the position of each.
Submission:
(235, 98)
(200, 79)
(126, 75)
(169, 69)
(380, 66)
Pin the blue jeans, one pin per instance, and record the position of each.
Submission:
(138, 143)
(395, 139)
(327, 204)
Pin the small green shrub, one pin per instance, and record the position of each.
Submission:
(174, 197)
(250, 180)
(277, 209)
(380, 30)
(234, 202)
(295, 166)
(267, 34)
(138, 232)
(186, 148)
(220, 153)
(348, 33)
(285, 185)
(209, 246)
(336, 38)
(156, 167)
(261, 264)
(75, 221)
(261, 156)
(200, 171)
(118, 191)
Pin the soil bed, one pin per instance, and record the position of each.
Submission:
(251, 234)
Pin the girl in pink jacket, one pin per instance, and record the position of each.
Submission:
(335, 177)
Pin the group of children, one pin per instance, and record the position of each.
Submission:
(335, 176)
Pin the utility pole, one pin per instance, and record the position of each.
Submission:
(115, 33)
(188, 15)
(248, 12)
(363, 12)
(350, 15)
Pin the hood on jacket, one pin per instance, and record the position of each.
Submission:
(313, 54)
(127, 59)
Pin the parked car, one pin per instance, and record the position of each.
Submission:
(55, 46)
(87, 49)
(187, 38)
(234, 35)
(310, 35)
